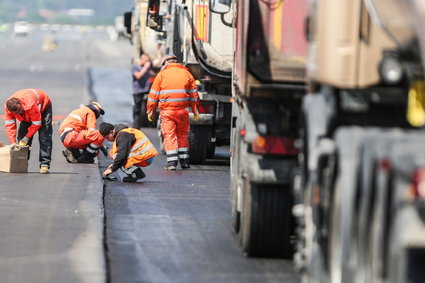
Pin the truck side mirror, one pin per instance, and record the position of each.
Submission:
(219, 6)
(127, 22)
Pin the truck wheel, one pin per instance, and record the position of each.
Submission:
(267, 222)
(199, 139)
(236, 215)
(211, 150)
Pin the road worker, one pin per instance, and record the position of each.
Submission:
(79, 135)
(174, 92)
(33, 108)
(131, 151)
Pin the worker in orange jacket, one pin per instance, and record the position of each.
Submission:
(79, 135)
(33, 108)
(131, 151)
(174, 92)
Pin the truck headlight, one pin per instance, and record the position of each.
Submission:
(391, 70)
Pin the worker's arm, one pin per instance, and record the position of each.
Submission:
(139, 74)
(91, 120)
(124, 142)
(193, 94)
(153, 97)
(10, 125)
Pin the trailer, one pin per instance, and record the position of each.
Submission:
(267, 89)
(359, 202)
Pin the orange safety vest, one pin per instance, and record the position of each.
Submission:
(140, 151)
(173, 88)
(34, 102)
(81, 119)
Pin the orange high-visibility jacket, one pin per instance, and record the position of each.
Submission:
(34, 102)
(141, 150)
(173, 88)
(80, 119)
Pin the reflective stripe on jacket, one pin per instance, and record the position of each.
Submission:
(140, 151)
(34, 102)
(81, 119)
(173, 88)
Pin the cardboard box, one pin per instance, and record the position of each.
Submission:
(14, 160)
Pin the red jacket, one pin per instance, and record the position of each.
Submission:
(173, 88)
(80, 119)
(34, 102)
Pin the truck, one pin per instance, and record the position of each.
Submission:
(185, 28)
(359, 195)
(267, 89)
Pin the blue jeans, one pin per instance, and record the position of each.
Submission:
(44, 135)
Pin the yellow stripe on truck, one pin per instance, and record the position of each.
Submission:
(277, 26)
(201, 22)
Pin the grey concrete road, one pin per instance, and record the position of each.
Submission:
(171, 227)
(51, 225)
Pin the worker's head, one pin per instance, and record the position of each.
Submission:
(97, 108)
(107, 131)
(14, 106)
(169, 58)
(144, 58)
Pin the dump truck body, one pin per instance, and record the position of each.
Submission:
(268, 85)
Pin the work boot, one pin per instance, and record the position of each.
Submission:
(85, 159)
(184, 163)
(170, 166)
(152, 23)
(138, 174)
(44, 169)
(69, 156)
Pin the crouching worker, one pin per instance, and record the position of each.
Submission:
(79, 135)
(130, 151)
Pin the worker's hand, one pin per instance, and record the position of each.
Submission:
(12, 144)
(196, 116)
(23, 142)
(104, 150)
(108, 171)
(150, 116)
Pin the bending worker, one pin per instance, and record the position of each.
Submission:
(33, 108)
(131, 151)
(79, 135)
(174, 92)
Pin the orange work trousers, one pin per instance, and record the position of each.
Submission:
(83, 139)
(175, 129)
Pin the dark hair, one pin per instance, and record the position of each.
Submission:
(13, 104)
(105, 128)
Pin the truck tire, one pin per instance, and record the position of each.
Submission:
(267, 222)
(211, 150)
(236, 215)
(199, 140)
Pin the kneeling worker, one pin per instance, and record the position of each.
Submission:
(130, 151)
(79, 135)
